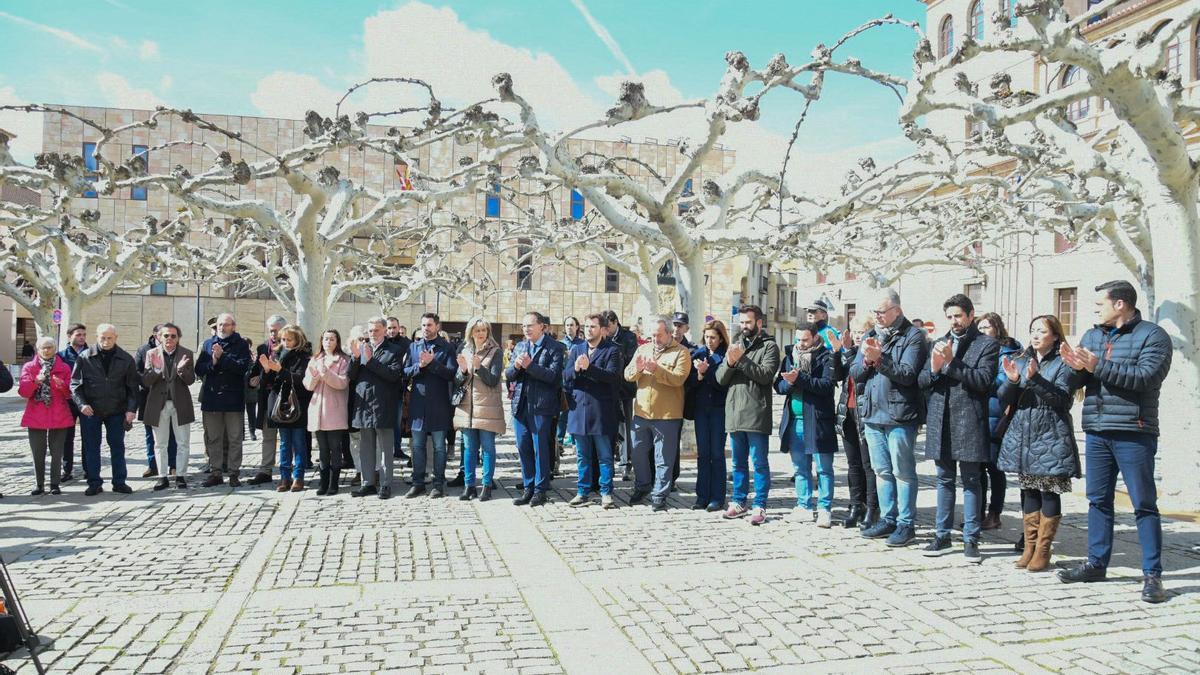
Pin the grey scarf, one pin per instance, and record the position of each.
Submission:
(42, 395)
(802, 358)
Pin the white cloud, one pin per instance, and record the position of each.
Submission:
(290, 95)
(26, 126)
(119, 93)
(64, 35)
(119, 42)
(148, 50)
(166, 82)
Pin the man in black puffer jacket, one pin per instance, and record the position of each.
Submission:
(1121, 363)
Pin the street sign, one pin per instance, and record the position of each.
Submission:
(57, 316)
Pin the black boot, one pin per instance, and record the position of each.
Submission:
(857, 511)
(334, 476)
(457, 481)
(323, 485)
(870, 518)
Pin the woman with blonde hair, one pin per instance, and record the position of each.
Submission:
(479, 412)
(287, 404)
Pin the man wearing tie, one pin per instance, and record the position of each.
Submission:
(536, 373)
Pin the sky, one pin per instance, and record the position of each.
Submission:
(568, 57)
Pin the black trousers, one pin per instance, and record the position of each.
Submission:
(991, 476)
(859, 474)
(332, 447)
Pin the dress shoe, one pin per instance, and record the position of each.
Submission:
(54, 490)
(457, 481)
(385, 492)
(66, 476)
(213, 480)
(1152, 590)
(1084, 572)
(468, 494)
(298, 485)
(713, 507)
(122, 489)
(37, 492)
(180, 483)
(855, 516)
(234, 481)
(92, 491)
(356, 481)
(699, 505)
(539, 498)
(162, 484)
(363, 491)
(524, 499)
(485, 495)
(436, 493)
(658, 505)
(260, 478)
(284, 486)
(637, 496)
(150, 472)
(414, 491)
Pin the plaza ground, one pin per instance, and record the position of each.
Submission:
(252, 581)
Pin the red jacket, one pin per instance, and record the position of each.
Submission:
(38, 415)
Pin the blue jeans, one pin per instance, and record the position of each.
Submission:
(1131, 455)
(895, 471)
(150, 461)
(560, 433)
(293, 449)
(710, 456)
(535, 443)
(475, 441)
(585, 447)
(802, 462)
(113, 428)
(972, 497)
(419, 457)
(747, 446)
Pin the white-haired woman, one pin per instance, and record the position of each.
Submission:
(480, 413)
(46, 383)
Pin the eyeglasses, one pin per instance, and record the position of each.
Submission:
(882, 312)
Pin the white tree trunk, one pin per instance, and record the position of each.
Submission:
(312, 290)
(72, 306)
(43, 318)
(689, 283)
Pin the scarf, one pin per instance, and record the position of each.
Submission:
(802, 358)
(42, 395)
(658, 351)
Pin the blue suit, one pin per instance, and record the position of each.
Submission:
(536, 402)
(592, 415)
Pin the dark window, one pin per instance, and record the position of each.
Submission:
(851, 313)
(576, 205)
(666, 274)
(1196, 52)
(139, 193)
(524, 265)
(89, 163)
(1064, 308)
(946, 43)
(1079, 109)
(977, 20)
(158, 288)
(612, 280)
(1174, 50)
(492, 203)
(974, 292)
(687, 192)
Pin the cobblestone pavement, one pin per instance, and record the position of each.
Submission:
(248, 580)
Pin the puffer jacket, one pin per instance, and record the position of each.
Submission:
(995, 408)
(890, 395)
(956, 426)
(1040, 440)
(660, 395)
(748, 386)
(1122, 395)
(482, 406)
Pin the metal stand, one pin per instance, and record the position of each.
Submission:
(13, 604)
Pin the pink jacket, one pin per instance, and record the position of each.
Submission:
(38, 415)
(329, 408)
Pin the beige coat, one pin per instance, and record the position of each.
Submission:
(660, 395)
(483, 405)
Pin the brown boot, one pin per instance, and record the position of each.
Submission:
(1032, 522)
(1045, 537)
(298, 485)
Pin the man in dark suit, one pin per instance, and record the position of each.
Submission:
(627, 342)
(396, 336)
(591, 373)
(376, 367)
(104, 386)
(957, 381)
(431, 367)
(536, 373)
(169, 371)
(76, 345)
(270, 435)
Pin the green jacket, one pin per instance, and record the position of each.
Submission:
(749, 393)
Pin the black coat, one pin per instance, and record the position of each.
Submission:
(111, 393)
(290, 378)
(1122, 395)
(890, 393)
(815, 390)
(139, 362)
(375, 388)
(224, 387)
(537, 389)
(1040, 440)
(256, 370)
(843, 359)
(627, 342)
(956, 425)
(704, 396)
(6, 378)
(592, 397)
(429, 406)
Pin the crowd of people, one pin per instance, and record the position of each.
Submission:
(991, 409)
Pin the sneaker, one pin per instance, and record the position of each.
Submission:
(1085, 572)
(735, 510)
(538, 499)
(161, 484)
(54, 490)
(1152, 590)
(658, 505)
(825, 519)
(180, 483)
(938, 546)
(903, 536)
(879, 530)
(579, 500)
(637, 496)
(759, 517)
(608, 502)
(971, 552)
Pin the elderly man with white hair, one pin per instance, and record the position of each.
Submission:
(104, 385)
(223, 362)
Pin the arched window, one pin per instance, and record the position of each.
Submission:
(1079, 109)
(1009, 8)
(1174, 50)
(1196, 52)
(946, 44)
(977, 20)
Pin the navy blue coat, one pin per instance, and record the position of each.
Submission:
(890, 394)
(592, 394)
(1122, 395)
(627, 342)
(815, 389)
(429, 406)
(69, 356)
(224, 387)
(375, 391)
(704, 396)
(537, 388)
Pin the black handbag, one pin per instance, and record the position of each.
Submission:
(286, 409)
(459, 393)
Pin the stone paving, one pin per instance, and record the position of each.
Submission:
(253, 581)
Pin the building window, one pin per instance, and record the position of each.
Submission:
(974, 128)
(612, 281)
(1099, 17)
(1064, 308)
(794, 308)
(851, 276)
(1174, 50)
(1196, 52)
(492, 202)
(576, 205)
(524, 265)
(851, 314)
(822, 277)
(1009, 7)
(90, 164)
(158, 288)
(139, 193)
(1079, 109)
(666, 274)
(687, 192)
(946, 42)
(977, 20)
(974, 292)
